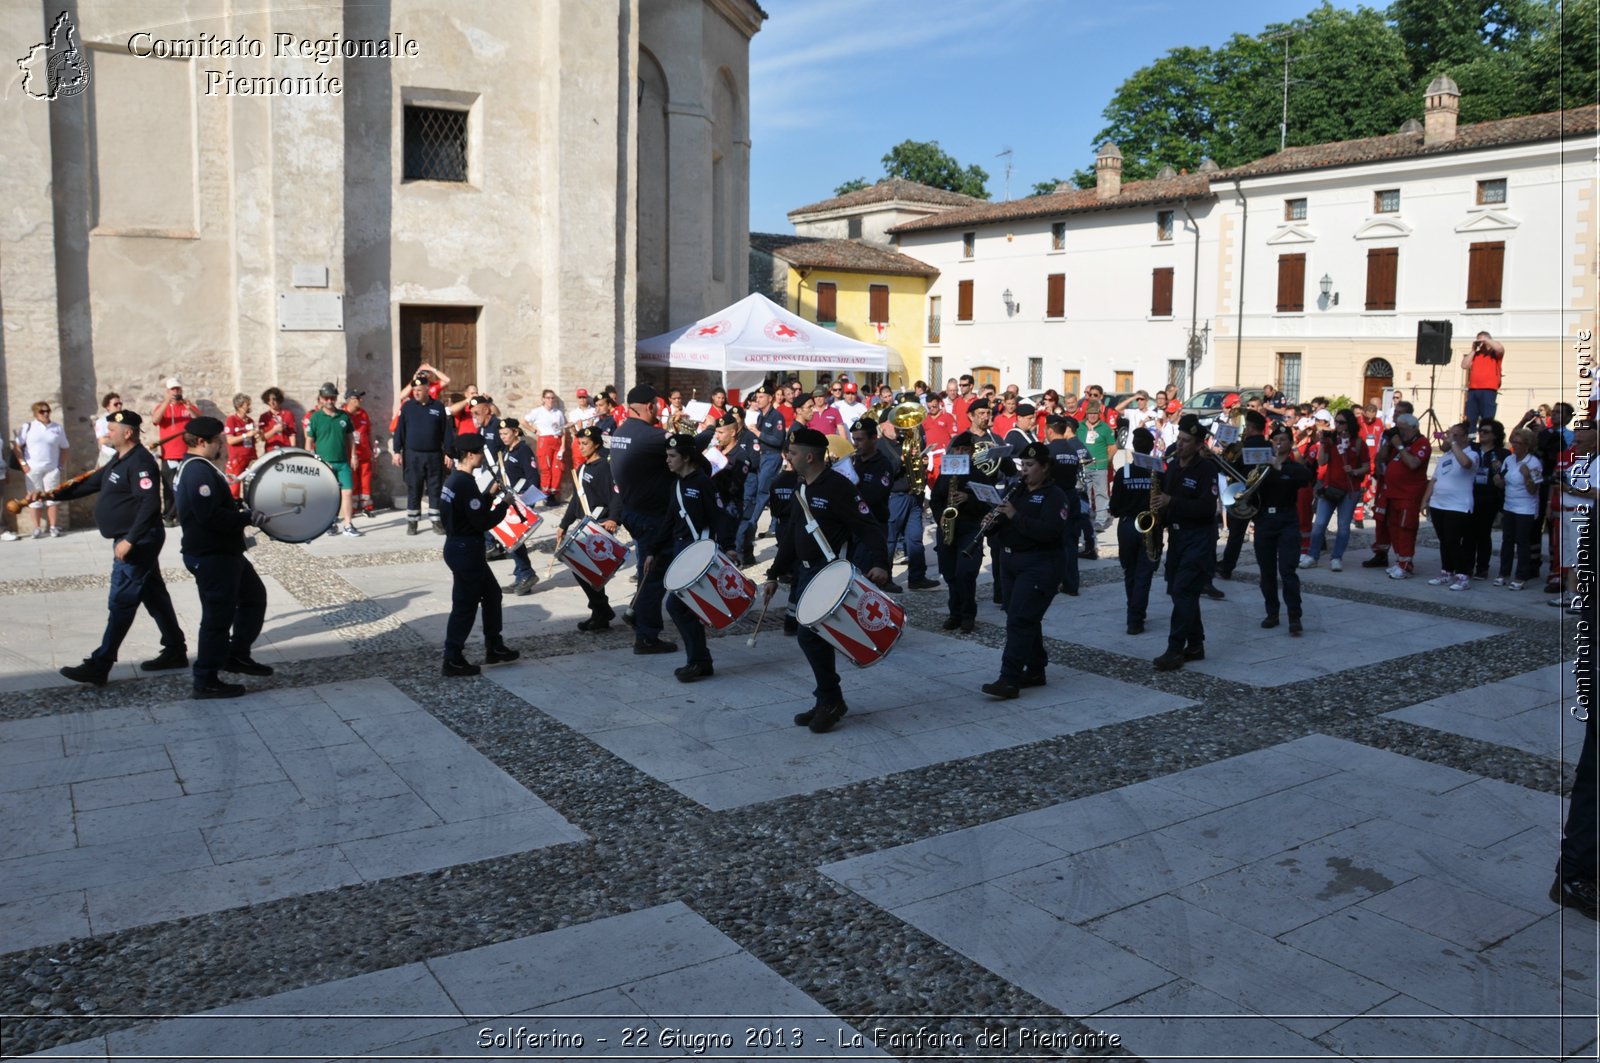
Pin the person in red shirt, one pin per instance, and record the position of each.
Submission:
(169, 418)
(785, 404)
(826, 419)
(363, 450)
(1006, 419)
(938, 427)
(960, 401)
(276, 424)
(1482, 365)
(1096, 393)
(1405, 480)
(240, 430)
(719, 409)
(1343, 455)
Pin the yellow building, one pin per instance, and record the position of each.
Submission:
(864, 291)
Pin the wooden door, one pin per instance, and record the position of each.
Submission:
(1379, 374)
(986, 376)
(443, 336)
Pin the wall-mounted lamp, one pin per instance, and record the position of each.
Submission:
(1326, 284)
(1012, 306)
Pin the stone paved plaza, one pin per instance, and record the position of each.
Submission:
(1337, 846)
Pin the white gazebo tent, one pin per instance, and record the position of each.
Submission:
(754, 338)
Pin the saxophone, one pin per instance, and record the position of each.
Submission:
(947, 519)
(1147, 523)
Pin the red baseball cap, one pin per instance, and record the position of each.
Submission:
(850, 385)
(583, 393)
(1174, 406)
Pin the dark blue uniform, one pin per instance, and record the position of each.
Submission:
(420, 437)
(771, 433)
(1278, 535)
(233, 600)
(1237, 527)
(1031, 544)
(1066, 462)
(129, 507)
(695, 502)
(644, 493)
(778, 506)
(876, 477)
(842, 519)
(1191, 520)
(956, 567)
(734, 481)
(518, 470)
(1130, 496)
(467, 513)
(594, 497)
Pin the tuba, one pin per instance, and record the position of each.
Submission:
(906, 418)
(1236, 497)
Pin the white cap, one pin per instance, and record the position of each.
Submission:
(174, 382)
(1324, 416)
(1305, 422)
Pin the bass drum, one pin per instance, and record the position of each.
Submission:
(295, 491)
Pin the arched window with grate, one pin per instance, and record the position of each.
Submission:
(1377, 375)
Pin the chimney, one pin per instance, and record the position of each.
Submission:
(1166, 173)
(1440, 106)
(1108, 171)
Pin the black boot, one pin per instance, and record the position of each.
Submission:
(166, 660)
(246, 665)
(459, 668)
(500, 653)
(211, 689)
(87, 672)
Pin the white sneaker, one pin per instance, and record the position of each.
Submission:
(55, 533)
(1336, 565)
(9, 537)
(1499, 581)
(1462, 583)
(351, 529)
(1307, 561)
(1443, 579)
(38, 533)
(1514, 585)
(1396, 572)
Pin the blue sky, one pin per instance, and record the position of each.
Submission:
(835, 83)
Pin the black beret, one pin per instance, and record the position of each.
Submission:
(1035, 452)
(511, 423)
(1025, 409)
(125, 417)
(977, 404)
(592, 433)
(683, 443)
(203, 428)
(419, 381)
(865, 424)
(469, 443)
(808, 437)
(481, 400)
(641, 394)
(1189, 425)
(1056, 424)
(729, 417)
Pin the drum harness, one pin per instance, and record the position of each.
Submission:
(812, 528)
(684, 513)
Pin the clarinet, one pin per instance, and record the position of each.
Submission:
(991, 518)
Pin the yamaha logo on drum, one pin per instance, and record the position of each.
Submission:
(300, 470)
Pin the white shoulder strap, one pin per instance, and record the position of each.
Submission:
(812, 528)
(684, 513)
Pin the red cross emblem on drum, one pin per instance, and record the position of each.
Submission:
(716, 328)
(784, 333)
(730, 583)
(598, 549)
(873, 612)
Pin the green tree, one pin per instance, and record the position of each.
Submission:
(1442, 36)
(924, 162)
(1044, 188)
(855, 184)
(1557, 60)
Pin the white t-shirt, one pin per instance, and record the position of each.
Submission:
(1518, 498)
(42, 445)
(101, 427)
(582, 415)
(850, 412)
(1137, 418)
(548, 422)
(1452, 483)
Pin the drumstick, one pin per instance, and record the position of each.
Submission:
(751, 641)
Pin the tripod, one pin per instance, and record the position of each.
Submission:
(1429, 421)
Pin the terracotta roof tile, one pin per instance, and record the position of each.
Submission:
(1195, 186)
(855, 256)
(1525, 129)
(890, 188)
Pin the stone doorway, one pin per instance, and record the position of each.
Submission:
(442, 336)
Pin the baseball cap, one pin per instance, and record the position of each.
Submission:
(174, 382)
(850, 387)
(1324, 416)
(355, 394)
(583, 393)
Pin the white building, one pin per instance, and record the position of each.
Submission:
(1490, 226)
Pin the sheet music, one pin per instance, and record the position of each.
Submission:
(846, 467)
(1225, 433)
(956, 465)
(1152, 462)
(532, 496)
(717, 458)
(1255, 455)
(985, 494)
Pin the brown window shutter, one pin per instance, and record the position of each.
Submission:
(827, 302)
(964, 301)
(1161, 292)
(1055, 302)
(878, 304)
(1291, 283)
(1485, 271)
(1382, 272)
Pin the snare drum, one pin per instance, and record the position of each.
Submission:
(593, 554)
(710, 584)
(517, 527)
(844, 609)
(296, 491)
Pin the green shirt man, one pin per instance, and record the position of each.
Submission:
(330, 432)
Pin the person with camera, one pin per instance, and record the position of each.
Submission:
(1482, 366)
(1342, 456)
(1488, 495)
(1383, 452)
(1518, 476)
(1448, 503)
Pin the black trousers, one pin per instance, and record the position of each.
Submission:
(136, 581)
(1486, 505)
(1032, 580)
(233, 606)
(1580, 855)
(424, 471)
(1191, 562)
(473, 584)
(1278, 557)
(1455, 540)
(690, 627)
(959, 572)
(1235, 547)
(1138, 570)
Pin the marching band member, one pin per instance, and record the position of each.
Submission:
(638, 452)
(782, 503)
(739, 445)
(1188, 505)
(959, 565)
(826, 516)
(1278, 527)
(696, 499)
(517, 467)
(1255, 438)
(591, 499)
(1066, 455)
(1130, 496)
(233, 600)
(468, 513)
(128, 512)
(771, 430)
(1033, 518)
(877, 468)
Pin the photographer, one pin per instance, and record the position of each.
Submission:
(1482, 366)
(1343, 457)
